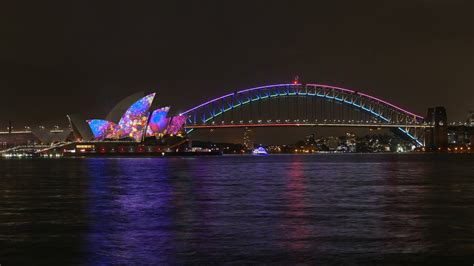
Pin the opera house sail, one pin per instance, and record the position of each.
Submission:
(175, 124)
(158, 122)
(131, 120)
(101, 128)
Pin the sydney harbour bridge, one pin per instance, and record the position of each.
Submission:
(298, 105)
(280, 105)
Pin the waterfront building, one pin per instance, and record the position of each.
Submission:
(248, 139)
(34, 136)
(129, 120)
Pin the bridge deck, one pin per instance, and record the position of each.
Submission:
(303, 124)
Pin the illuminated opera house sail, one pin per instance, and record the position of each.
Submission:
(133, 122)
(158, 122)
(131, 119)
(175, 124)
(101, 128)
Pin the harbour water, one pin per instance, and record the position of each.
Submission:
(277, 209)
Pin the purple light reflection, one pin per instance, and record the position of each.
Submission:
(129, 213)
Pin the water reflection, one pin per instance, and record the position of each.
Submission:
(129, 212)
(242, 210)
(297, 225)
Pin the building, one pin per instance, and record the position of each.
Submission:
(130, 120)
(36, 136)
(462, 134)
(351, 142)
(248, 139)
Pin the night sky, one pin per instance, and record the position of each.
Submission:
(60, 57)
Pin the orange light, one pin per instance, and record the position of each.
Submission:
(295, 82)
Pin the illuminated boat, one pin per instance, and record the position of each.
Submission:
(260, 151)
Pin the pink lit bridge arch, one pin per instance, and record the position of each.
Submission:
(295, 104)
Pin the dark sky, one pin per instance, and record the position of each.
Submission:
(59, 57)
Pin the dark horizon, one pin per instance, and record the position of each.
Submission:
(60, 58)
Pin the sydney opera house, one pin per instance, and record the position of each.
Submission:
(132, 128)
(130, 120)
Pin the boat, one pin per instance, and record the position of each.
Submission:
(260, 151)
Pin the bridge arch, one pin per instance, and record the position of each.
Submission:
(383, 113)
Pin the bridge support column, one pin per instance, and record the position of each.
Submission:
(437, 137)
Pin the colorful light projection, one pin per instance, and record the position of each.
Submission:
(101, 128)
(158, 122)
(175, 124)
(134, 120)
